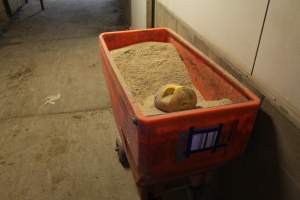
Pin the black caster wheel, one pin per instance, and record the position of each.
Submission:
(121, 153)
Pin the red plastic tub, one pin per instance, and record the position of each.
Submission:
(164, 147)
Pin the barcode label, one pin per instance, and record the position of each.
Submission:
(203, 139)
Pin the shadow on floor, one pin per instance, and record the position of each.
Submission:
(257, 174)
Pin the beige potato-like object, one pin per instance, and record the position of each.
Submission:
(173, 97)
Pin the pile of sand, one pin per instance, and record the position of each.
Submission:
(147, 66)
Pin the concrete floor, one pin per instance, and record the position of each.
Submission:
(65, 150)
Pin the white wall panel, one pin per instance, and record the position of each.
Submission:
(232, 26)
(277, 68)
(138, 14)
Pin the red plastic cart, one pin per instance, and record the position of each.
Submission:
(164, 147)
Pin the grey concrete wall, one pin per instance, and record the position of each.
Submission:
(149, 13)
(15, 5)
(3, 16)
(270, 167)
(126, 13)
